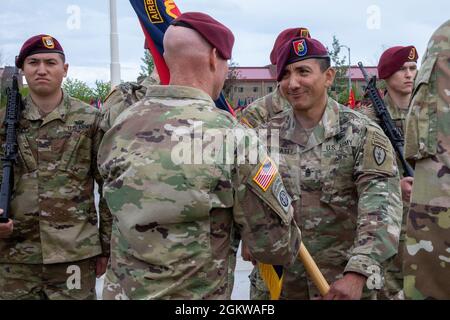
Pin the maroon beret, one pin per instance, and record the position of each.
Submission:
(41, 43)
(394, 58)
(219, 36)
(285, 36)
(299, 49)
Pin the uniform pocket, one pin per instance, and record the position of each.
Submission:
(336, 172)
(77, 156)
(26, 158)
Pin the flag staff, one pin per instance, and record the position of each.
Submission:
(114, 37)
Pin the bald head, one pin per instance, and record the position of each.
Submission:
(182, 43)
(192, 60)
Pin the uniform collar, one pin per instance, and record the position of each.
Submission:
(327, 127)
(177, 92)
(394, 111)
(31, 111)
(278, 100)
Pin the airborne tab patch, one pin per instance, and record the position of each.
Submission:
(151, 7)
(265, 175)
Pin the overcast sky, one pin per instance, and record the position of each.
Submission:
(366, 26)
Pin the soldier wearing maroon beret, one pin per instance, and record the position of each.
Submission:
(398, 68)
(336, 164)
(52, 248)
(174, 233)
(265, 108)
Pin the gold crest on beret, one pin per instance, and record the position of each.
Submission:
(48, 42)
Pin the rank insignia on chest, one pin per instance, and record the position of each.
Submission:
(265, 175)
(379, 154)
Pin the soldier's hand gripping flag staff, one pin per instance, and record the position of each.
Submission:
(155, 17)
(273, 275)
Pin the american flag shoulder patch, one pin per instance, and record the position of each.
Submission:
(266, 174)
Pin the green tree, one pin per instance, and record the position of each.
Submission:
(232, 76)
(78, 89)
(340, 64)
(102, 89)
(148, 64)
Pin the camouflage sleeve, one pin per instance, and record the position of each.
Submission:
(112, 106)
(422, 121)
(379, 203)
(254, 115)
(369, 111)
(263, 213)
(105, 224)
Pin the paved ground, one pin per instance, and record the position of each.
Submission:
(241, 282)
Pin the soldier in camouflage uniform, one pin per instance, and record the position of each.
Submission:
(265, 108)
(340, 171)
(175, 222)
(123, 96)
(398, 67)
(53, 249)
(427, 255)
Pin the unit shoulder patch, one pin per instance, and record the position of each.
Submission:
(378, 152)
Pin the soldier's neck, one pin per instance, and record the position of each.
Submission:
(310, 117)
(400, 100)
(197, 83)
(47, 103)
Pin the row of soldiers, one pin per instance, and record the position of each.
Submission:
(170, 230)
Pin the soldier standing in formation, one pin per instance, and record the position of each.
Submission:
(174, 222)
(339, 168)
(398, 67)
(427, 255)
(53, 230)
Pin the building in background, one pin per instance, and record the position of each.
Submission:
(246, 84)
(357, 77)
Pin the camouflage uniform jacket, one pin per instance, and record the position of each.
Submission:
(346, 195)
(53, 208)
(123, 96)
(427, 258)
(174, 223)
(264, 109)
(394, 266)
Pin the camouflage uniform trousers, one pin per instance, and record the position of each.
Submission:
(393, 277)
(48, 281)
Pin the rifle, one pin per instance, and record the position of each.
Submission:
(13, 109)
(386, 122)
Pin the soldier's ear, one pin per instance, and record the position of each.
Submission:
(213, 59)
(66, 69)
(330, 74)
